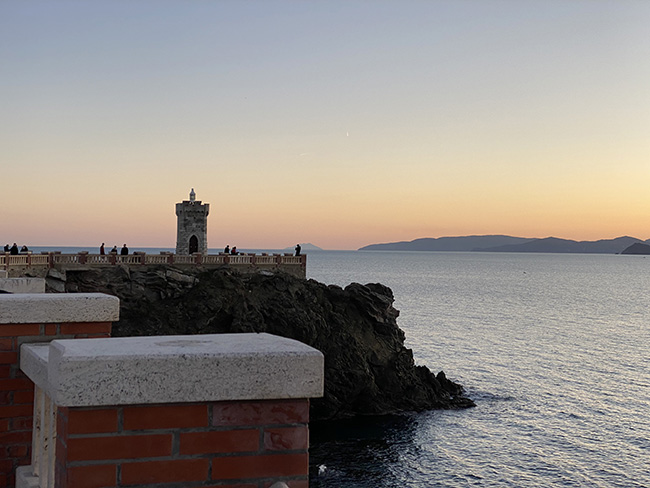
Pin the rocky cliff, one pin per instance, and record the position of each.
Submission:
(367, 368)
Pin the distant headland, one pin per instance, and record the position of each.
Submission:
(502, 243)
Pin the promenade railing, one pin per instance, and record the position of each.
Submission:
(53, 259)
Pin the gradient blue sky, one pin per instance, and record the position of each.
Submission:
(341, 123)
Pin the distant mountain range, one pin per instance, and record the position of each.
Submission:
(500, 243)
(305, 246)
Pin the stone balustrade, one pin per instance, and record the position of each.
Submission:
(17, 265)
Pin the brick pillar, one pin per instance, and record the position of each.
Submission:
(224, 410)
(26, 318)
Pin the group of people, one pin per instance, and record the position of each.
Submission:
(232, 251)
(13, 250)
(227, 250)
(124, 251)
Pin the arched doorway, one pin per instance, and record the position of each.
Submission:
(194, 245)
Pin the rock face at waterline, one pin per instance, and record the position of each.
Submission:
(367, 368)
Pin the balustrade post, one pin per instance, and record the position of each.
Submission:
(198, 258)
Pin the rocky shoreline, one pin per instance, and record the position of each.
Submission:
(368, 371)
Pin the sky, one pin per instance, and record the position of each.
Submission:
(339, 123)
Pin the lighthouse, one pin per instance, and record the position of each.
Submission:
(192, 226)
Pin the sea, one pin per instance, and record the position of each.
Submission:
(553, 348)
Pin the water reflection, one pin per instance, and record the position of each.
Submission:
(377, 444)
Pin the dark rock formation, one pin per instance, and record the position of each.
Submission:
(368, 370)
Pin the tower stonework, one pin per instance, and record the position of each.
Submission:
(192, 228)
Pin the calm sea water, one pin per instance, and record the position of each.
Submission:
(554, 349)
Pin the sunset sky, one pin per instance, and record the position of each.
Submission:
(340, 123)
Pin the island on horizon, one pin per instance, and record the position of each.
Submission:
(503, 243)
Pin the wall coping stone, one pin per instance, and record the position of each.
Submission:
(43, 308)
(22, 285)
(174, 369)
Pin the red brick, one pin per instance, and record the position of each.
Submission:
(15, 330)
(16, 384)
(260, 413)
(51, 329)
(94, 476)
(119, 447)
(174, 471)
(238, 467)
(5, 371)
(18, 451)
(220, 441)
(61, 452)
(5, 398)
(81, 421)
(22, 397)
(22, 423)
(85, 328)
(7, 345)
(8, 357)
(12, 438)
(16, 411)
(165, 417)
(4, 425)
(286, 438)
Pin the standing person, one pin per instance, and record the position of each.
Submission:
(7, 247)
(298, 248)
(24, 249)
(101, 249)
(114, 250)
(124, 251)
(14, 249)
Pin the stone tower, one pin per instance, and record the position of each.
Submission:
(192, 229)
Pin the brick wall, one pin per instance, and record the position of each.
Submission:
(242, 444)
(17, 391)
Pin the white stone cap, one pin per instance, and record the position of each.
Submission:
(22, 285)
(174, 369)
(44, 308)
